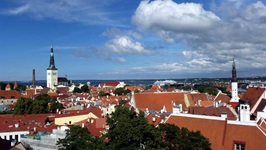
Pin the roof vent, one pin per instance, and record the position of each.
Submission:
(153, 119)
(16, 125)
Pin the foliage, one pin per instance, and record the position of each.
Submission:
(136, 91)
(23, 106)
(176, 138)
(77, 90)
(78, 138)
(121, 91)
(129, 130)
(186, 88)
(102, 93)
(207, 89)
(54, 105)
(85, 88)
(223, 89)
(29, 106)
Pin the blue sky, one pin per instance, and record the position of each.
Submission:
(131, 39)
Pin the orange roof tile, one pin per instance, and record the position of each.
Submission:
(252, 95)
(12, 94)
(156, 101)
(220, 132)
(223, 98)
(212, 111)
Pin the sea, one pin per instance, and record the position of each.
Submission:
(143, 82)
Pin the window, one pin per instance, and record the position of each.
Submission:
(239, 146)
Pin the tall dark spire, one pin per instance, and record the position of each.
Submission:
(52, 64)
(234, 71)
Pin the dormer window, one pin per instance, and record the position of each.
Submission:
(239, 145)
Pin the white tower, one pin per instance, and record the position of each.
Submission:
(52, 73)
(234, 87)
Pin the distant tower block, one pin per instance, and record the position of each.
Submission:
(234, 87)
(33, 77)
(52, 73)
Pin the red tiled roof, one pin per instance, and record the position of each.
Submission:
(220, 133)
(65, 113)
(156, 101)
(8, 86)
(15, 85)
(132, 88)
(25, 123)
(252, 95)
(223, 98)
(198, 96)
(12, 94)
(212, 111)
(95, 126)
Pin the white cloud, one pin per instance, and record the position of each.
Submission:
(84, 11)
(170, 16)
(125, 44)
(212, 39)
(19, 10)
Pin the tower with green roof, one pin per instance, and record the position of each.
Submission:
(52, 72)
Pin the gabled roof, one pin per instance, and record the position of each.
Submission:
(12, 94)
(156, 101)
(224, 98)
(198, 96)
(252, 95)
(212, 111)
(261, 105)
(95, 126)
(8, 86)
(109, 83)
(132, 88)
(222, 133)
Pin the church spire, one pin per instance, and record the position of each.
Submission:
(52, 64)
(234, 71)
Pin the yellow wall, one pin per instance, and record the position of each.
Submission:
(73, 119)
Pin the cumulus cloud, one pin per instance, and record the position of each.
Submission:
(212, 38)
(125, 44)
(169, 16)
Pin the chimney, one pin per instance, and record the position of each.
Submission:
(244, 112)
(153, 119)
(33, 77)
(199, 102)
(224, 114)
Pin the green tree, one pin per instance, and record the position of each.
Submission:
(40, 104)
(102, 93)
(136, 91)
(207, 89)
(23, 106)
(77, 90)
(85, 88)
(78, 138)
(54, 105)
(129, 130)
(176, 138)
(121, 91)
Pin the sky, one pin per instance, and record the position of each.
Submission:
(132, 39)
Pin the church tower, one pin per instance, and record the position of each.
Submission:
(52, 73)
(234, 87)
